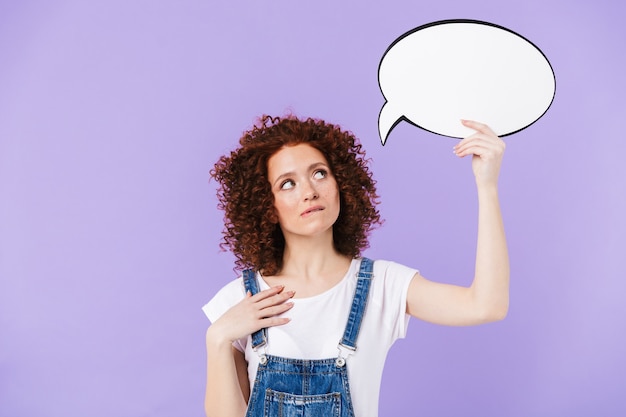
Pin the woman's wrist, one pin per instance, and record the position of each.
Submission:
(487, 187)
(216, 340)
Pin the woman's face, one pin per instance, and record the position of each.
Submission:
(306, 197)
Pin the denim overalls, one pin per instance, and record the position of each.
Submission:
(307, 388)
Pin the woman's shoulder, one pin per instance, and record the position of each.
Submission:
(391, 278)
(386, 268)
(229, 295)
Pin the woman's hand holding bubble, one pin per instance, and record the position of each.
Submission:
(487, 150)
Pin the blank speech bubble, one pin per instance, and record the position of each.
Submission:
(439, 73)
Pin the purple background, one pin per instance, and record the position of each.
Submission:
(113, 112)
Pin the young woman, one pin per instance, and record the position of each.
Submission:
(306, 329)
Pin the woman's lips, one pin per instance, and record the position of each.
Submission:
(311, 210)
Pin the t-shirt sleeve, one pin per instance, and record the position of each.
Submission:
(392, 284)
(225, 298)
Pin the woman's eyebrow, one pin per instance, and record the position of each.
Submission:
(292, 173)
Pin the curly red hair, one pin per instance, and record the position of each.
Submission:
(251, 231)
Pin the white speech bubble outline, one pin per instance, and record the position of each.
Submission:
(439, 73)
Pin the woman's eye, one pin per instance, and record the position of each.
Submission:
(319, 174)
(286, 185)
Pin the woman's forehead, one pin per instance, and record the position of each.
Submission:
(294, 158)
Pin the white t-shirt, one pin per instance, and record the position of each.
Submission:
(317, 324)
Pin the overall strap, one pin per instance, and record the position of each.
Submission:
(359, 302)
(259, 338)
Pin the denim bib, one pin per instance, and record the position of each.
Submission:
(286, 387)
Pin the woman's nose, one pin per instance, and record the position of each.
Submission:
(310, 193)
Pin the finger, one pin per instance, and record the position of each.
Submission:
(275, 299)
(472, 150)
(275, 310)
(480, 140)
(480, 136)
(261, 295)
(482, 150)
(462, 148)
(476, 137)
(274, 321)
(463, 144)
(480, 127)
(480, 147)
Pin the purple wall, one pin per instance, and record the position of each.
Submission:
(113, 112)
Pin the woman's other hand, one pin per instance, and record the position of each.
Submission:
(253, 313)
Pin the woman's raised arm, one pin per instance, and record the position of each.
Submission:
(487, 299)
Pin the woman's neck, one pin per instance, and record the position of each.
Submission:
(312, 265)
